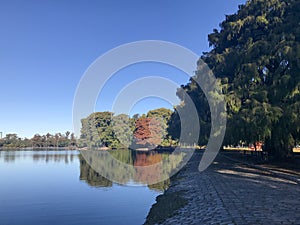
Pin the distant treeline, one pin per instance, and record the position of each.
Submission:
(58, 140)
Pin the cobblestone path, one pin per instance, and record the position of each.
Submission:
(230, 192)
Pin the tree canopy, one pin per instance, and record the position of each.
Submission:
(255, 57)
(104, 129)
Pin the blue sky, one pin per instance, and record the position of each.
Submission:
(46, 46)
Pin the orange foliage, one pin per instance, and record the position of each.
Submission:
(148, 131)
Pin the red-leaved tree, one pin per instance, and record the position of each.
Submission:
(148, 132)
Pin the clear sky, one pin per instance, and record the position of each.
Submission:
(46, 46)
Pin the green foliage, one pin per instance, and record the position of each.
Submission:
(96, 130)
(161, 113)
(123, 127)
(256, 55)
(103, 129)
(39, 141)
(255, 58)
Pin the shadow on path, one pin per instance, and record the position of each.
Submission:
(229, 192)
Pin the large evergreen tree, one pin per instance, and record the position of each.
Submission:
(256, 58)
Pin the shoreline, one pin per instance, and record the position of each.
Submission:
(159, 149)
(175, 197)
(196, 196)
(37, 148)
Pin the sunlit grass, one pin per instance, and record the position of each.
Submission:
(296, 150)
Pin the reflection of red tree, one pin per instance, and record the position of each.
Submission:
(143, 159)
(148, 131)
(148, 168)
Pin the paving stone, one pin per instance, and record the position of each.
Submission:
(232, 193)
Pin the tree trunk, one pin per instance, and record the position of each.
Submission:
(280, 144)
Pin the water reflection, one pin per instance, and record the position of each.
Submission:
(38, 156)
(144, 166)
(90, 176)
(127, 166)
(54, 187)
(94, 179)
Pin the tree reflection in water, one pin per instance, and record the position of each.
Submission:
(90, 176)
(10, 156)
(128, 166)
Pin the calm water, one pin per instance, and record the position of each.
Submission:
(59, 187)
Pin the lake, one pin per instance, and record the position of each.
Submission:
(60, 187)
